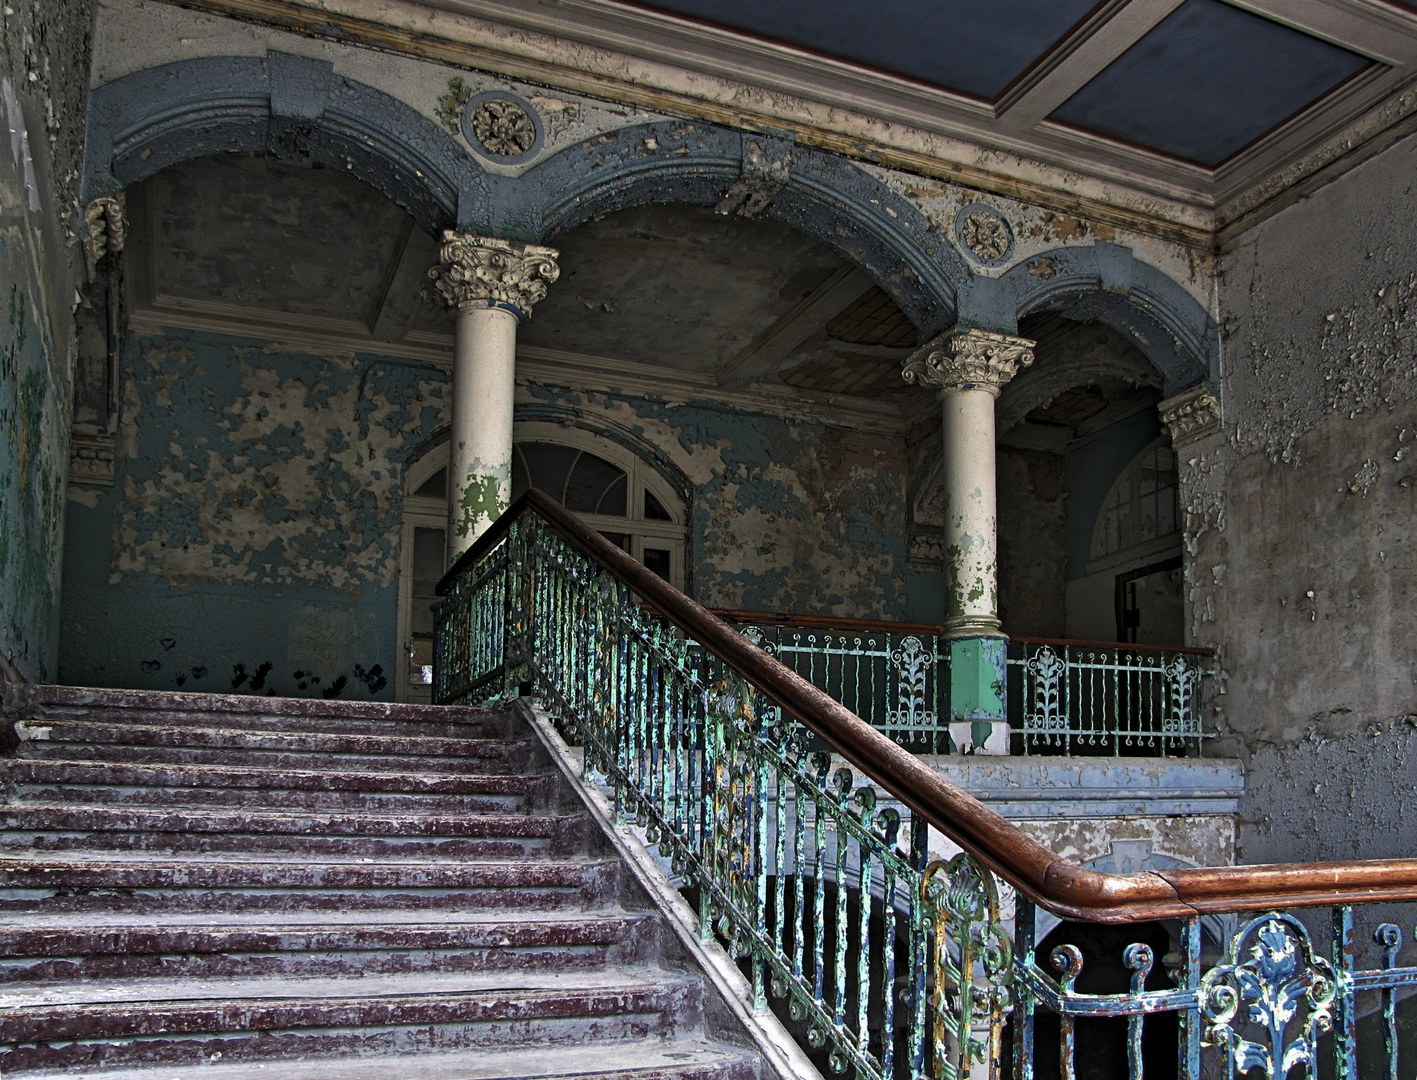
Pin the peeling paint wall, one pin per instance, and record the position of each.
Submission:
(46, 51)
(251, 540)
(791, 517)
(1301, 568)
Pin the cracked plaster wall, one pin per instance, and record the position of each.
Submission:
(1301, 568)
(46, 51)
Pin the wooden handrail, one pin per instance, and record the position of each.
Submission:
(1060, 885)
(885, 626)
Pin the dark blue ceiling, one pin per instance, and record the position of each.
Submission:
(974, 46)
(1208, 81)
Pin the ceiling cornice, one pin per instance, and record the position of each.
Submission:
(671, 65)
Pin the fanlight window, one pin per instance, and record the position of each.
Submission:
(1143, 505)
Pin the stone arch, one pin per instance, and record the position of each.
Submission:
(829, 198)
(1106, 282)
(293, 107)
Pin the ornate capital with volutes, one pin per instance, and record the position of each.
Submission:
(484, 271)
(968, 360)
(1192, 414)
(105, 229)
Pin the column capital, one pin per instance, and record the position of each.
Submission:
(1192, 414)
(968, 359)
(485, 271)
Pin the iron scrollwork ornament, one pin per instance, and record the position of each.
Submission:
(1269, 979)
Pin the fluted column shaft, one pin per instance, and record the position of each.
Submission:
(492, 284)
(970, 367)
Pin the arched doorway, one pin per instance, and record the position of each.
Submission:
(614, 490)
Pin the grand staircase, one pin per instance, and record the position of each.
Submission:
(199, 885)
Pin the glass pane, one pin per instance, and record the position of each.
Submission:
(548, 466)
(596, 487)
(657, 559)
(654, 511)
(620, 540)
(436, 486)
(428, 553)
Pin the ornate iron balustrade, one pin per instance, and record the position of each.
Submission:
(1064, 697)
(897, 965)
(1105, 697)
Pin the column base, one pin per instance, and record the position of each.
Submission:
(978, 681)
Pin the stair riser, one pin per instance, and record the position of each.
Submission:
(161, 844)
(301, 761)
(163, 903)
(239, 1031)
(37, 734)
(204, 777)
(488, 726)
(566, 959)
(371, 802)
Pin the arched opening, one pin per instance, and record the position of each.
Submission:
(614, 490)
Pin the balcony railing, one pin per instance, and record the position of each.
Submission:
(1064, 697)
(898, 966)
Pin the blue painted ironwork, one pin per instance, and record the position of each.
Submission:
(898, 967)
(1065, 697)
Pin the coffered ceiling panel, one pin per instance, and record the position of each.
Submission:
(1207, 82)
(976, 47)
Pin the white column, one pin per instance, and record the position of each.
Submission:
(970, 367)
(492, 284)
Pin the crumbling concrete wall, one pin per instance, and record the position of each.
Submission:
(1302, 570)
(43, 84)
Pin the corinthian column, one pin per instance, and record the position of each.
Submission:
(492, 284)
(970, 367)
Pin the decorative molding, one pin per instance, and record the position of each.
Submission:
(91, 457)
(1192, 414)
(984, 234)
(503, 126)
(765, 173)
(105, 229)
(968, 360)
(484, 271)
(927, 549)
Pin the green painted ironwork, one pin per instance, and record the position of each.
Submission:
(896, 966)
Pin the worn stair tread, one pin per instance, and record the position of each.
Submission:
(26, 939)
(648, 1059)
(294, 919)
(67, 771)
(153, 993)
(26, 817)
(153, 735)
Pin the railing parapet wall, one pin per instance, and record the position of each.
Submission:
(899, 966)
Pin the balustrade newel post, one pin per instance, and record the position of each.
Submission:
(970, 367)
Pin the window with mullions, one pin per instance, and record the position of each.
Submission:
(1143, 505)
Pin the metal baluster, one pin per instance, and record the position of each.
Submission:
(1189, 1022)
(1345, 1013)
(1068, 960)
(779, 893)
(842, 780)
(1139, 959)
(821, 762)
(889, 883)
(758, 869)
(799, 899)
(1025, 941)
(919, 945)
(866, 800)
(1389, 936)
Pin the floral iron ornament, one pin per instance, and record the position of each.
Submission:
(1279, 978)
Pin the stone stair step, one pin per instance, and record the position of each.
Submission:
(650, 1059)
(107, 947)
(139, 882)
(272, 713)
(217, 799)
(41, 828)
(173, 743)
(34, 771)
(176, 1022)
